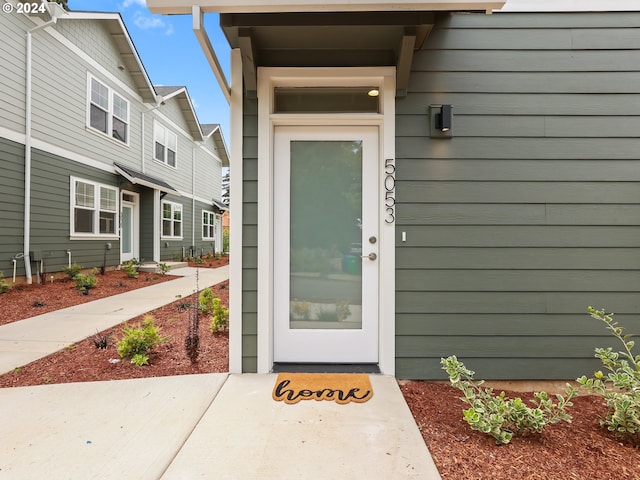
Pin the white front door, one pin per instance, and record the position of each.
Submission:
(129, 227)
(326, 239)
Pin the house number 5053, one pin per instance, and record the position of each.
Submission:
(390, 191)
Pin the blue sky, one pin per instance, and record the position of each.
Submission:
(171, 54)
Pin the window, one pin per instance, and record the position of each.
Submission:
(208, 225)
(165, 145)
(171, 220)
(94, 208)
(108, 112)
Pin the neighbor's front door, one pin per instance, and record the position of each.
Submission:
(326, 244)
(129, 226)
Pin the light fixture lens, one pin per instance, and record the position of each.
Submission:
(374, 92)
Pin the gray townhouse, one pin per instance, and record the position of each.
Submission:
(97, 163)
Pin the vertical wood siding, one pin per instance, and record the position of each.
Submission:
(531, 212)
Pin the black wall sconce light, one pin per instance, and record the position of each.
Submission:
(441, 121)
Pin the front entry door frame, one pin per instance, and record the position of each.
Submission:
(130, 200)
(268, 79)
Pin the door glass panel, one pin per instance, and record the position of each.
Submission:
(126, 230)
(325, 235)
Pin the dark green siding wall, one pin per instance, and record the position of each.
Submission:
(250, 238)
(12, 211)
(531, 212)
(50, 214)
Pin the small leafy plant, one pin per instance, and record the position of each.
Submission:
(4, 286)
(502, 417)
(131, 269)
(205, 301)
(621, 386)
(73, 270)
(101, 341)
(220, 318)
(164, 268)
(300, 310)
(86, 281)
(138, 341)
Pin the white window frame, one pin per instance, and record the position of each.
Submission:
(174, 208)
(165, 135)
(211, 226)
(96, 209)
(109, 109)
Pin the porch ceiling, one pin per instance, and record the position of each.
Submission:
(353, 39)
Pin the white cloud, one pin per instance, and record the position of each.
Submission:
(128, 3)
(146, 22)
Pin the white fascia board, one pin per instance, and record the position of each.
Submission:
(182, 7)
(570, 6)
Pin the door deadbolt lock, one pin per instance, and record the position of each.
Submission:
(372, 256)
(372, 240)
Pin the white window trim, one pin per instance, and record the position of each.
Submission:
(96, 220)
(167, 132)
(214, 224)
(173, 206)
(110, 112)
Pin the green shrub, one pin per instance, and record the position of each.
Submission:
(220, 318)
(164, 268)
(225, 240)
(130, 268)
(73, 270)
(621, 386)
(205, 301)
(138, 341)
(502, 417)
(86, 281)
(4, 286)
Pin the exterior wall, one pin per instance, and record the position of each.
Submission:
(12, 211)
(530, 213)
(12, 73)
(50, 214)
(250, 238)
(64, 146)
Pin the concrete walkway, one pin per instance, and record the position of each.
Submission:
(27, 340)
(213, 426)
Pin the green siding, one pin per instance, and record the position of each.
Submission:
(530, 213)
(250, 238)
(12, 211)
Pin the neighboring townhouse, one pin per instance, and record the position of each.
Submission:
(421, 178)
(99, 167)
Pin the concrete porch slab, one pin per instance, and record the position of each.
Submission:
(246, 434)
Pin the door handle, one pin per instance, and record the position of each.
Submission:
(372, 256)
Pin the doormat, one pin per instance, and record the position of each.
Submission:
(341, 388)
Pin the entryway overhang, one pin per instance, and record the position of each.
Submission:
(139, 178)
(331, 33)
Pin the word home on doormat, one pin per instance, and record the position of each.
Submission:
(341, 388)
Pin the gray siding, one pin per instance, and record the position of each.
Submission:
(12, 73)
(250, 238)
(530, 213)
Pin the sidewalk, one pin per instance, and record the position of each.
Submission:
(215, 426)
(27, 340)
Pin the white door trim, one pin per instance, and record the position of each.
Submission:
(135, 224)
(268, 78)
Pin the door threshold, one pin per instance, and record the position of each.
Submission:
(325, 368)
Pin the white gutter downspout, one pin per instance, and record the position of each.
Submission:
(55, 12)
(209, 52)
(193, 200)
